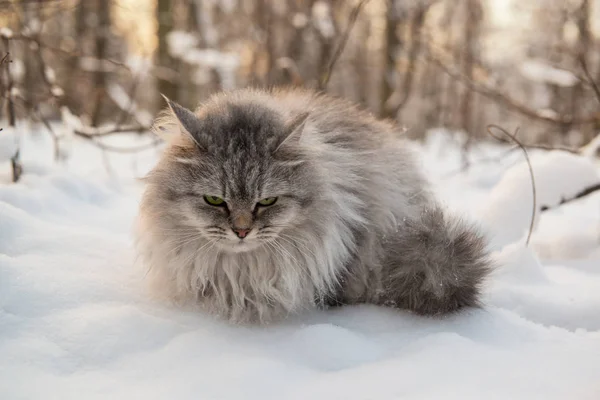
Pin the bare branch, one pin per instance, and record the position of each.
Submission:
(17, 169)
(89, 132)
(400, 97)
(589, 78)
(492, 159)
(510, 103)
(585, 192)
(136, 149)
(342, 43)
(549, 147)
(533, 189)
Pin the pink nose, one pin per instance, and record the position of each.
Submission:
(241, 233)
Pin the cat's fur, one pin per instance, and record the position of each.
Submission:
(354, 222)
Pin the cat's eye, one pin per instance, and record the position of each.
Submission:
(269, 201)
(214, 200)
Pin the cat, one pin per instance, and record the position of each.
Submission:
(267, 203)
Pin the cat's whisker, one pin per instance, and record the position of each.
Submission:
(181, 229)
(290, 240)
(282, 248)
(180, 245)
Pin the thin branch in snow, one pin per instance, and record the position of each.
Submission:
(547, 147)
(40, 116)
(492, 159)
(585, 192)
(533, 189)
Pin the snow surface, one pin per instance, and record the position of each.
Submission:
(76, 323)
(558, 176)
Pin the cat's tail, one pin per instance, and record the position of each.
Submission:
(435, 264)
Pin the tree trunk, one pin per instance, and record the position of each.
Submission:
(474, 13)
(100, 79)
(164, 16)
(390, 49)
(15, 161)
(582, 19)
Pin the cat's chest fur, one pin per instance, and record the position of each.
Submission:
(269, 282)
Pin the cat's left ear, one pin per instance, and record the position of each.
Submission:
(293, 132)
(190, 124)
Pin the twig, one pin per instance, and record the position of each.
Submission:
(92, 133)
(548, 147)
(343, 40)
(485, 160)
(591, 80)
(507, 152)
(533, 189)
(493, 93)
(401, 94)
(17, 169)
(136, 149)
(583, 193)
(128, 110)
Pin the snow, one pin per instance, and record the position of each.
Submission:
(6, 33)
(539, 71)
(9, 142)
(183, 45)
(179, 42)
(76, 321)
(558, 176)
(322, 19)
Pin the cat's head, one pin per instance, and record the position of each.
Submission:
(237, 174)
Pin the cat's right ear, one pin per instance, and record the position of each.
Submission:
(189, 124)
(293, 132)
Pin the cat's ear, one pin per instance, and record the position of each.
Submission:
(293, 132)
(189, 123)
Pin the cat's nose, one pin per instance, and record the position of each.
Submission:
(241, 233)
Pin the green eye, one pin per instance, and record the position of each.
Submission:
(269, 201)
(214, 200)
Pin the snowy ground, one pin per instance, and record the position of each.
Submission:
(75, 322)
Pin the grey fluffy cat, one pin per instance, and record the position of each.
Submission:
(268, 203)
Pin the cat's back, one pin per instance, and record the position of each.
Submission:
(336, 117)
(329, 117)
(337, 132)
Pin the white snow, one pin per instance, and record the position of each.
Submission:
(183, 45)
(76, 323)
(322, 18)
(558, 176)
(6, 32)
(9, 142)
(179, 42)
(539, 71)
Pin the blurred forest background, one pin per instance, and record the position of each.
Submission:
(99, 66)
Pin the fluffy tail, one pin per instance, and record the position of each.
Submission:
(435, 265)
